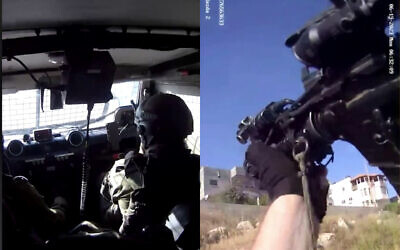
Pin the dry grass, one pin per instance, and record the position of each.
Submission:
(212, 219)
(368, 234)
(227, 216)
(236, 242)
(365, 234)
(329, 224)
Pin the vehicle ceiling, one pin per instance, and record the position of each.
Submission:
(172, 56)
(25, 15)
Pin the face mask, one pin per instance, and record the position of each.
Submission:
(146, 138)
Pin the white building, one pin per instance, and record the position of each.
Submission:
(214, 181)
(361, 191)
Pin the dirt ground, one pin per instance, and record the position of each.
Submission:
(368, 229)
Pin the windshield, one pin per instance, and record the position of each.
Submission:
(21, 111)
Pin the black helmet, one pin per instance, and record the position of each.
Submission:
(163, 117)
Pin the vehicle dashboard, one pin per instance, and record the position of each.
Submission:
(61, 148)
(54, 166)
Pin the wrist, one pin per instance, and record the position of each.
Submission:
(288, 185)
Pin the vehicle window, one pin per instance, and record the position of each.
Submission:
(21, 111)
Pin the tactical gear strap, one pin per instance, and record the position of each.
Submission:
(300, 157)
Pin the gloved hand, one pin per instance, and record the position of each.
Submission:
(278, 175)
(142, 213)
(35, 208)
(137, 215)
(28, 196)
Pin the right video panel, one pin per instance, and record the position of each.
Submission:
(300, 124)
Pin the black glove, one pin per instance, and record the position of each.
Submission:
(278, 173)
(142, 213)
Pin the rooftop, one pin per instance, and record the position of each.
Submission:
(365, 175)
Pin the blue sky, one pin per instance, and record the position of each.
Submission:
(245, 66)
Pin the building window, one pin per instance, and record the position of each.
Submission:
(367, 203)
(214, 182)
(343, 201)
(343, 189)
(365, 192)
(383, 190)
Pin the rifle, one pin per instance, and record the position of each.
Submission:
(352, 86)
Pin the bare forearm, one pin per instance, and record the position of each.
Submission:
(285, 225)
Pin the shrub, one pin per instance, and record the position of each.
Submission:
(393, 207)
(235, 196)
(264, 200)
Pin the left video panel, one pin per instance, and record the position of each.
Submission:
(100, 124)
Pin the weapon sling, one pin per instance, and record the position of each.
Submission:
(300, 157)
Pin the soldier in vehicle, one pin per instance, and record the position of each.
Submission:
(144, 189)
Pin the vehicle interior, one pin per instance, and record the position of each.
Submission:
(62, 59)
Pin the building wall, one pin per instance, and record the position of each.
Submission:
(213, 181)
(373, 191)
(341, 193)
(237, 171)
(357, 192)
(381, 190)
(362, 193)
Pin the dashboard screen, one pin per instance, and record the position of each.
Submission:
(42, 135)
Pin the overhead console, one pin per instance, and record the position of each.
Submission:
(88, 75)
